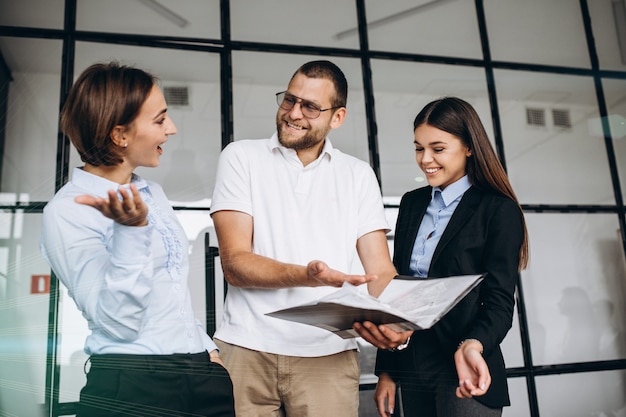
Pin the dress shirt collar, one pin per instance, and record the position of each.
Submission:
(453, 191)
(100, 186)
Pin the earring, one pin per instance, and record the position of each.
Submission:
(126, 144)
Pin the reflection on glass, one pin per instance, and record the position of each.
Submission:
(552, 157)
(257, 77)
(401, 90)
(593, 394)
(189, 18)
(608, 20)
(416, 27)
(28, 170)
(611, 334)
(189, 158)
(32, 13)
(538, 32)
(296, 22)
(580, 335)
(574, 288)
(23, 317)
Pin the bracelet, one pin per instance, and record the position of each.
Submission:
(401, 346)
(470, 340)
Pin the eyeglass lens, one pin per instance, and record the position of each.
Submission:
(288, 101)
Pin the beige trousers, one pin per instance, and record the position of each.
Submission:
(269, 385)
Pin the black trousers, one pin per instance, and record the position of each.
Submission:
(442, 402)
(156, 386)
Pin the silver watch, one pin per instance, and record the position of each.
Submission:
(401, 346)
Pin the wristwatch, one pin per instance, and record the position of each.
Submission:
(401, 346)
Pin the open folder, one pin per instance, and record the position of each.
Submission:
(407, 303)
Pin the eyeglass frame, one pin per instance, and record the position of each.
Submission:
(302, 102)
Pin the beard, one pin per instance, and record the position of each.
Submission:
(312, 137)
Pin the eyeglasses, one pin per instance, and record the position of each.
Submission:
(309, 109)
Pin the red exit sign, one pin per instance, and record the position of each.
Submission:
(40, 284)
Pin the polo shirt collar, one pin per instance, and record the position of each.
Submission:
(275, 144)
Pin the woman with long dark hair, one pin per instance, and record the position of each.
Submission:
(466, 221)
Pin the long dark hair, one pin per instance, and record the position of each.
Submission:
(483, 168)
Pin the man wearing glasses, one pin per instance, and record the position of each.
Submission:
(291, 214)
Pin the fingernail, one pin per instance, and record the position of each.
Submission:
(482, 386)
(391, 410)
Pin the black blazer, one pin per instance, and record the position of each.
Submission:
(484, 234)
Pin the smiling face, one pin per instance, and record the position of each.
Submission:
(147, 132)
(441, 155)
(296, 131)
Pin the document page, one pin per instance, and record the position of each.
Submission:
(424, 301)
(407, 303)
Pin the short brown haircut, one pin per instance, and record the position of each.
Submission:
(103, 96)
(329, 71)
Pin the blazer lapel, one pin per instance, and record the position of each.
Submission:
(413, 217)
(461, 215)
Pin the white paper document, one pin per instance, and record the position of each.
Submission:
(407, 303)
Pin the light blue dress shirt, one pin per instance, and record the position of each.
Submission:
(130, 283)
(437, 217)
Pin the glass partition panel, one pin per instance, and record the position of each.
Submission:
(512, 344)
(416, 27)
(537, 32)
(294, 22)
(608, 20)
(367, 361)
(574, 288)
(257, 77)
(401, 90)
(594, 394)
(189, 18)
(201, 234)
(519, 399)
(24, 301)
(192, 91)
(367, 407)
(32, 13)
(71, 357)
(551, 155)
(30, 134)
(615, 93)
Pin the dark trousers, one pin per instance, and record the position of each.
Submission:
(442, 402)
(156, 386)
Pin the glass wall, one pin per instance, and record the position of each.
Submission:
(547, 79)
(545, 123)
(537, 32)
(421, 27)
